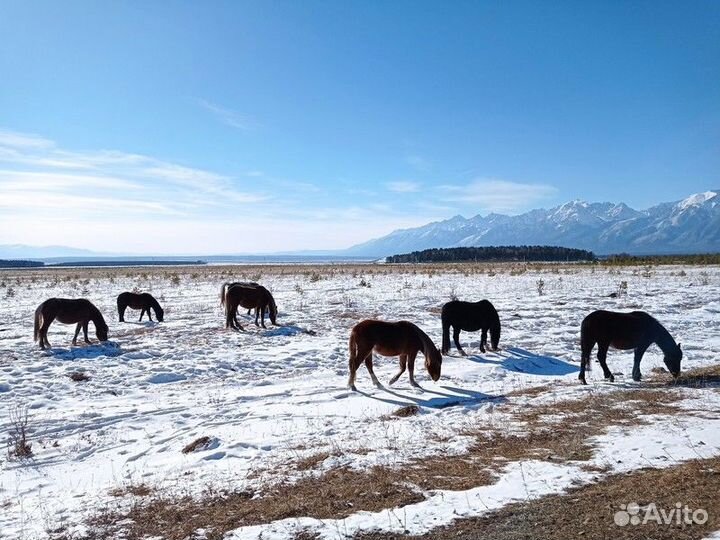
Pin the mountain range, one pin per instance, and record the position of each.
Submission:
(691, 225)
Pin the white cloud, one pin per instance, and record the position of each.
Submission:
(110, 200)
(403, 186)
(495, 195)
(418, 162)
(227, 116)
(14, 139)
(39, 177)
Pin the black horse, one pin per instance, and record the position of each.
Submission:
(636, 330)
(142, 301)
(470, 316)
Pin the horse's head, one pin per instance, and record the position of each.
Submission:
(160, 314)
(672, 360)
(495, 336)
(433, 362)
(272, 308)
(101, 330)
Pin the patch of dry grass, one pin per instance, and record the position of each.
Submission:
(588, 511)
(560, 431)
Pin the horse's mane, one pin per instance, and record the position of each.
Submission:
(97, 316)
(429, 347)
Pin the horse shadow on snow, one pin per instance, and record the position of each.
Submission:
(94, 350)
(522, 361)
(439, 400)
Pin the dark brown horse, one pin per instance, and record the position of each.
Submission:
(68, 311)
(401, 338)
(636, 330)
(470, 316)
(249, 296)
(141, 301)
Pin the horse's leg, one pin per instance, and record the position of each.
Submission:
(121, 312)
(483, 339)
(411, 368)
(456, 339)
(262, 317)
(85, 330)
(77, 331)
(639, 352)
(236, 323)
(602, 356)
(369, 366)
(403, 366)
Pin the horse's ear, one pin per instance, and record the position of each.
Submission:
(678, 345)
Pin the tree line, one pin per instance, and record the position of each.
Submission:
(495, 253)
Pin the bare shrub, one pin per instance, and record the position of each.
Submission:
(19, 447)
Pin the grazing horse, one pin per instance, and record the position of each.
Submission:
(142, 301)
(636, 330)
(68, 311)
(242, 283)
(255, 296)
(401, 338)
(470, 316)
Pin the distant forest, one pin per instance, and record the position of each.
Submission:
(494, 253)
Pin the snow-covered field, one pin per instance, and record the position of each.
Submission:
(265, 397)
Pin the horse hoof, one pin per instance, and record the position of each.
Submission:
(352, 388)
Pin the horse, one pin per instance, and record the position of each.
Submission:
(635, 330)
(470, 316)
(68, 311)
(255, 296)
(401, 338)
(142, 301)
(243, 283)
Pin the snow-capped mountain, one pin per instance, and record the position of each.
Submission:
(688, 226)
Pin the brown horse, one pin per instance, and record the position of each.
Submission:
(141, 301)
(636, 330)
(401, 338)
(249, 296)
(470, 316)
(68, 311)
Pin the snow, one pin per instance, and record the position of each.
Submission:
(266, 396)
(697, 199)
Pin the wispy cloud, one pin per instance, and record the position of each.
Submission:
(418, 162)
(39, 174)
(495, 195)
(227, 116)
(122, 201)
(403, 186)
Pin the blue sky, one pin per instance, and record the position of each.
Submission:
(208, 127)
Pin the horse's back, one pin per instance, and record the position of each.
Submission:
(469, 315)
(388, 337)
(613, 326)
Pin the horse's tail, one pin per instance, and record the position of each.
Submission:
(223, 292)
(38, 322)
(353, 348)
(586, 344)
(445, 335)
